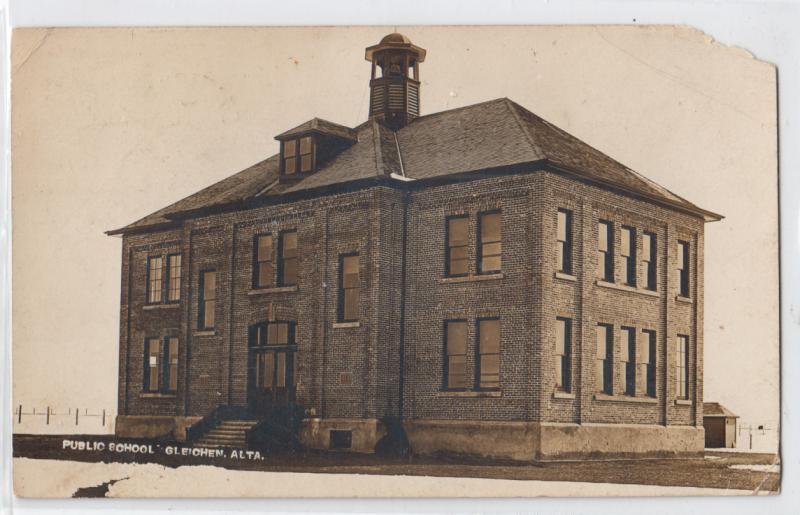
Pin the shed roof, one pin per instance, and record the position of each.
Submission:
(716, 410)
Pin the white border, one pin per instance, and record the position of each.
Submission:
(767, 29)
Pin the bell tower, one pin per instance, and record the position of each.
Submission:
(394, 86)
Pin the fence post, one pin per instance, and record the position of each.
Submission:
(19, 416)
(104, 418)
(48, 416)
(77, 410)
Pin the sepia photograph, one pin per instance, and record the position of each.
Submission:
(393, 261)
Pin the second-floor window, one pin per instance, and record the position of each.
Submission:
(490, 246)
(263, 272)
(604, 377)
(628, 252)
(628, 358)
(605, 251)
(298, 155)
(287, 264)
(564, 238)
(683, 269)
(161, 365)
(682, 367)
(349, 288)
(563, 354)
(207, 300)
(457, 244)
(649, 260)
(174, 271)
(155, 272)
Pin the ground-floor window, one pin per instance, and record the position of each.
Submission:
(161, 365)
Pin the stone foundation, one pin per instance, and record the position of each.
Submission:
(527, 441)
(145, 426)
(365, 433)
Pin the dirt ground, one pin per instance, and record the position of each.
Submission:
(714, 470)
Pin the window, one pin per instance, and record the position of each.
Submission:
(287, 266)
(683, 269)
(628, 359)
(208, 297)
(457, 241)
(649, 360)
(564, 237)
(455, 368)
(649, 260)
(605, 251)
(628, 252)
(268, 334)
(349, 288)
(605, 356)
(490, 244)
(488, 370)
(563, 354)
(298, 155)
(173, 277)
(155, 269)
(263, 270)
(161, 365)
(290, 157)
(682, 367)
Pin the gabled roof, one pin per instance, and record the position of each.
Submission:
(490, 135)
(715, 409)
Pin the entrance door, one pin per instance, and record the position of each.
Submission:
(271, 368)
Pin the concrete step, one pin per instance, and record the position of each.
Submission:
(205, 442)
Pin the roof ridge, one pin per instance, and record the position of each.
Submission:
(448, 111)
(512, 107)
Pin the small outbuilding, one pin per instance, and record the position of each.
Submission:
(720, 425)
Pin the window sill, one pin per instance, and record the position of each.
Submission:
(685, 300)
(344, 325)
(622, 287)
(563, 395)
(470, 278)
(277, 289)
(470, 394)
(205, 333)
(156, 395)
(624, 398)
(683, 402)
(565, 277)
(171, 305)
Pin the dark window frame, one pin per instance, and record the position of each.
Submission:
(281, 281)
(606, 378)
(684, 272)
(480, 243)
(478, 355)
(607, 266)
(446, 355)
(202, 300)
(341, 310)
(651, 378)
(682, 367)
(448, 247)
(257, 262)
(629, 341)
(148, 284)
(163, 365)
(565, 359)
(651, 264)
(168, 283)
(565, 245)
(630, 260)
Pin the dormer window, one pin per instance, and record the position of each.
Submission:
(298, 155)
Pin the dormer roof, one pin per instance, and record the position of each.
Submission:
(320, 126)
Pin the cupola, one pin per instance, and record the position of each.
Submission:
(394, 86)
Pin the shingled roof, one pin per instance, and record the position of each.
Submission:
(715, 410)
(490, 135)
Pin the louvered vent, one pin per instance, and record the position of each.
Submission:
(396, 96)
(413, 99)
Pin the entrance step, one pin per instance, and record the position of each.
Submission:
(228, 433)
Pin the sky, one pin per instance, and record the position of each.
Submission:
(109, 125)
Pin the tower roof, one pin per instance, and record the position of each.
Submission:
(396, 40)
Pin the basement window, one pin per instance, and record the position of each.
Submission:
(341, 439)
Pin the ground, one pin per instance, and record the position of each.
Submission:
(74, 472)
